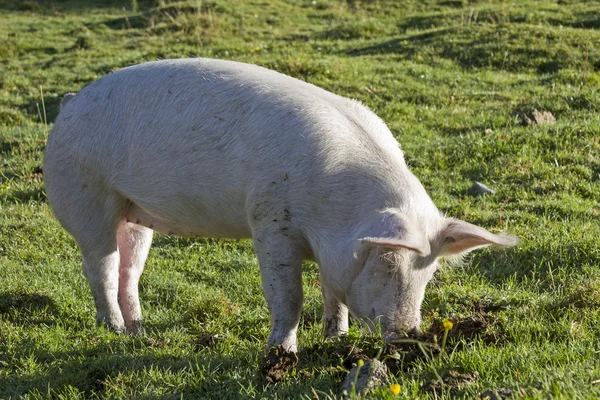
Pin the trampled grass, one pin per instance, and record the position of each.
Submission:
(453, 80)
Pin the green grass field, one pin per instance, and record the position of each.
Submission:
(453, 79)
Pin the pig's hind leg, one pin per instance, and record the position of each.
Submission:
(134, 243)
(93, 215)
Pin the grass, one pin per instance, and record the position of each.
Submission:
(453, 80)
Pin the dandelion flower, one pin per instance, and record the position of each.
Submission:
(395, 388)
(447, 325)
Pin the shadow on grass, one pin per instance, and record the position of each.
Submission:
(93, 371)
(537, 266)
(28, 308)
(51, 105)
(51, 6)
(35, 194)
(470, 48)
(111, 370)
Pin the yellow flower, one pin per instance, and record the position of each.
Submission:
(395, 388)
(447, 325)
(360, 363)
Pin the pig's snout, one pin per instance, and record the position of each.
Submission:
(396, 336)
(402, 327)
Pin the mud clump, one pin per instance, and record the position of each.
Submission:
(453, 381)
(350, 354)
(277, 363)
(470, 328)
(347, 354)
(400, 355)
(479, 324)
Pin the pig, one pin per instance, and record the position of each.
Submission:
(214, 148)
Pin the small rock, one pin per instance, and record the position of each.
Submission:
(537, 117)
(497, 394)
(371, 375)
(478, 189)
(277, 363)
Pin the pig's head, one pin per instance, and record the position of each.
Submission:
(396, 257)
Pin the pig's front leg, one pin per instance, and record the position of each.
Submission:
(281, 268)
(335, 315)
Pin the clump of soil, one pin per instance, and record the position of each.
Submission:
(350, 354)
(453, 381)
(277, 363)
(470, 328)
(400, 355)
(347, 353)
(479, 324)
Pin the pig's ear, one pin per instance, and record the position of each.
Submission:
(460, 237)
(421, 247)
(391, 229)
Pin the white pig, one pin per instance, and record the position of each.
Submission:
(212, 148)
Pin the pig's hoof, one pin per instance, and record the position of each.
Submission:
(277, 363)
(114, 328)
(135, 328)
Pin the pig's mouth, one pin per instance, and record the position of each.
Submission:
(391, 333)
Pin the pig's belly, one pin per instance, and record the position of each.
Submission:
(191, 219)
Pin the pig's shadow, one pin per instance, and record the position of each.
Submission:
(28, 308)
(25, 196)
(92, 371)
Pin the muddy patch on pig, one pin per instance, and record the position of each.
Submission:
(277, 364)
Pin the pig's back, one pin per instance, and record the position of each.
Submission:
(206, 137)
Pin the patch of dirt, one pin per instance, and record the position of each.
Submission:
(479, 324)
(399, 356)
(350, 354)
(277, 363)
(453, 381)
(347, 353)
(470, 328)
